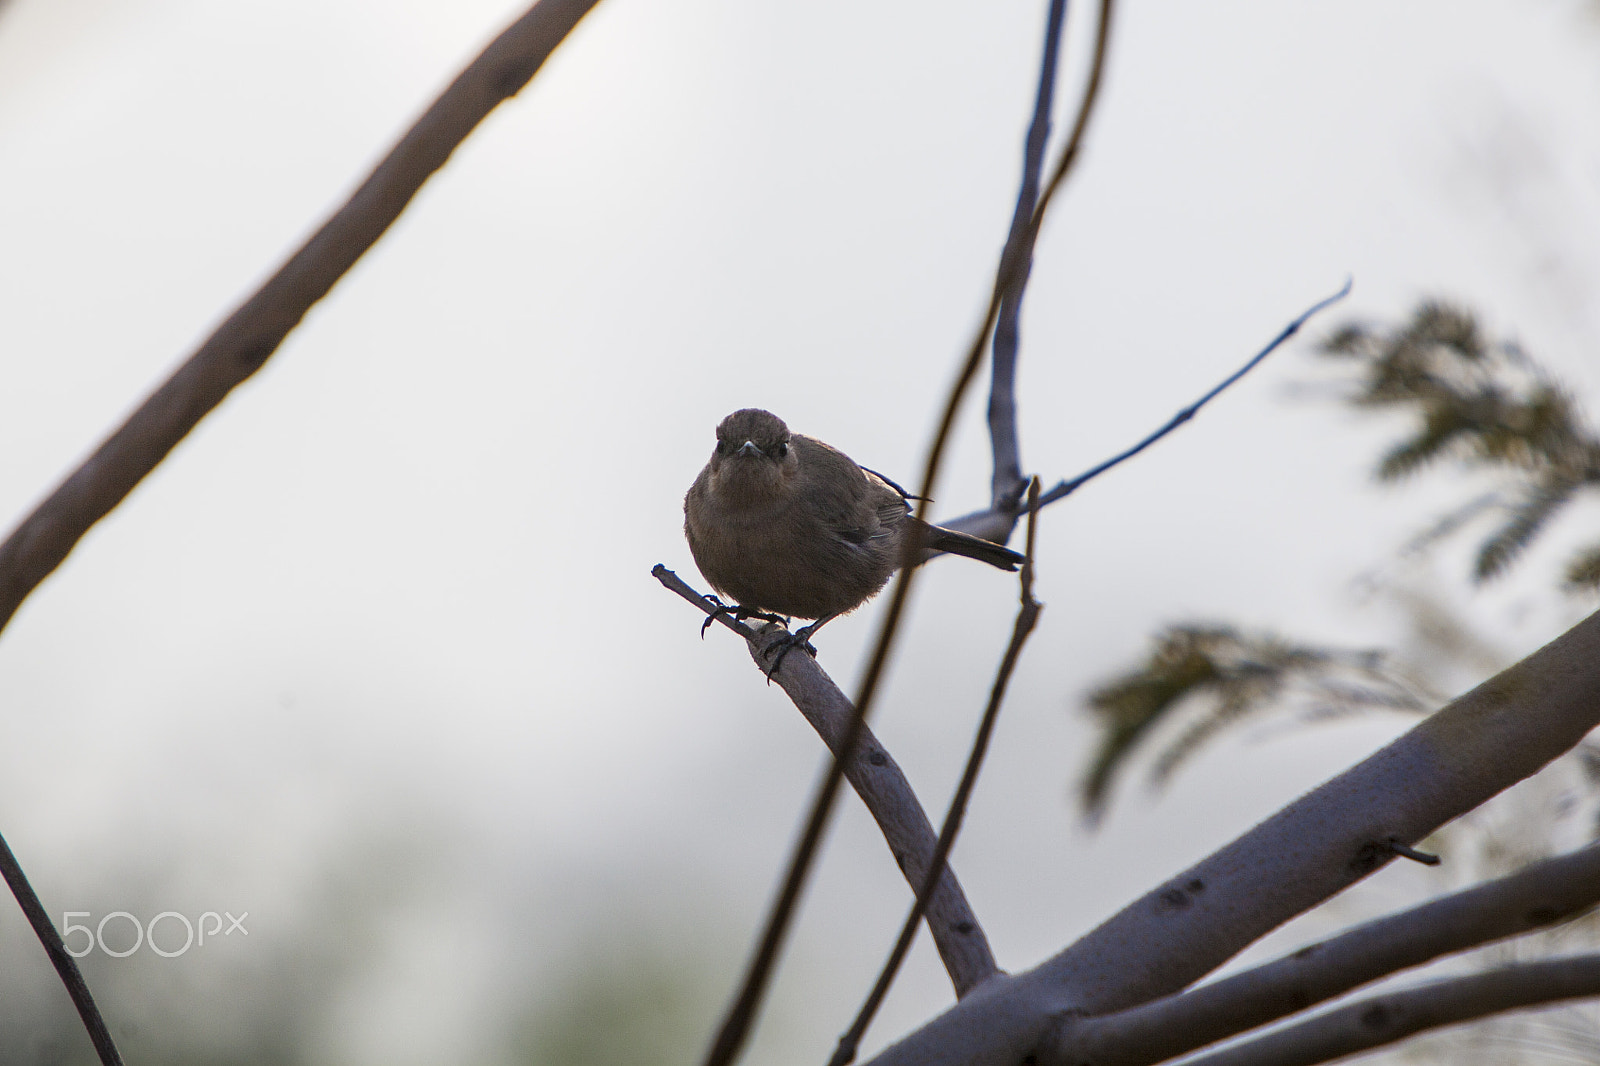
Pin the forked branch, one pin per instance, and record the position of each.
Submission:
(1537, 897)
(1393, 1016)
(1481, 743)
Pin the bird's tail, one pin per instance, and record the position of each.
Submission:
(939, 539)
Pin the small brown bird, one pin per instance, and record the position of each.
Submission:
(782, 523)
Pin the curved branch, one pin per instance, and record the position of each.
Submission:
(884, 790)
(1384, 1019)
(1027, 618)
(243, 343)
(1478, 745)
(1536, 897)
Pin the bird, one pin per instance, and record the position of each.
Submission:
(785, 525)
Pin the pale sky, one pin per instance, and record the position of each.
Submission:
(387, 613)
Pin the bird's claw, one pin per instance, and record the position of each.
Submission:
(734, 611)
(784, 645)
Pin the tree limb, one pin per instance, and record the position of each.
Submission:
(1479, 744)
(1393, 1016)
(1027, 618)
(1007, 484)
(884, 790)
(243, 343)
(1536, 897)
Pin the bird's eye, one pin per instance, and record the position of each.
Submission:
(781, 450)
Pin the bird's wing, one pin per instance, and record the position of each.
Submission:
(856, 506)
(889, 502)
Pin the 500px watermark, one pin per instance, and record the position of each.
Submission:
(143, 934)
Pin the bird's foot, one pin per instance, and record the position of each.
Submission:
(787, 643)
(734, 611)
(800, 638)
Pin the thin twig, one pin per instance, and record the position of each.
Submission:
(996, 522)
(1027, 618)
(736, 1025)
(66, 966)
(674, 583)
(1067, 488)
(1080, 127)
(1537, 897)
(1385, 1019)
(1007, 483)
(249, 336)
(883, 788)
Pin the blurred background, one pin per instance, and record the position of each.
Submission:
(375, 656)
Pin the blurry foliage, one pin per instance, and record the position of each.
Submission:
(1232, 675)
(1484, 405)
(1488, 407)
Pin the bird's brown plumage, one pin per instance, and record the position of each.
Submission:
(782, 522)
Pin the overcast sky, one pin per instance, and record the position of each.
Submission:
(397, 590)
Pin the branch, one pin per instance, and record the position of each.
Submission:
(1541, 895)
(66, 966)
(996, 522)
(884, 790)
(243, 343)
(1027, 618)
(1007, 484)
(736, 1026)
(1067, 488)
(1385, 1019)
(1481, 743)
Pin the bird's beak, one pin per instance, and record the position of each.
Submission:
(749, 450)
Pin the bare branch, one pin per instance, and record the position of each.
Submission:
(731, 1038)
(884, 790)
(1080, 125)
(1007, 485)
(996, 522)
(243, 343)
(1067, 488)
(66, 966)
(1027, 618)
(1539, 896)
(1478, 745)
(1385, 1019)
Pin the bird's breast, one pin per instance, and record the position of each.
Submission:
(786, 560)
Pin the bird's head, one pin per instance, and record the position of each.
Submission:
(753, 454)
